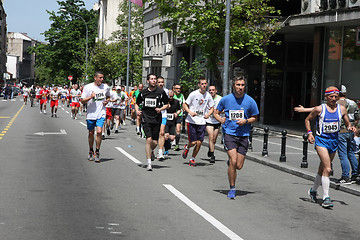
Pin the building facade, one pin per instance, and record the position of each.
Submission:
(108, 13)
(18, 55)
(3, 40)
(320, 47)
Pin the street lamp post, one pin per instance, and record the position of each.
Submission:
(87, 37)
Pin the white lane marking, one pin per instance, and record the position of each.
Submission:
(67, 112)
(222, 228)
(83, 124)
(128, 155)
(278, 144)
(113, 224)
(118, 233)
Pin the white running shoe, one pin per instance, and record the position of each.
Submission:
(161, 157)
(71, 115)
(44, 111)
(149, 167)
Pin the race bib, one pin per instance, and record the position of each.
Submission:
(236, 115)
(331, 127)
(150, 102)
(99, 96)
(199, 113)
(170, 116)
(75, 99)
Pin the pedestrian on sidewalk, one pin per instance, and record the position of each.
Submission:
(328, 118)
(240, 112)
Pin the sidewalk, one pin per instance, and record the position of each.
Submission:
(292, 165)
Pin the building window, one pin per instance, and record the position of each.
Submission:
(351, 63)
(332, 59)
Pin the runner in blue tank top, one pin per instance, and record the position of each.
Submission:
(328, 117)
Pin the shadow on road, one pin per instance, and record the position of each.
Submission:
(238, 192)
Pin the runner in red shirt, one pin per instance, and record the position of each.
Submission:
(43, 99)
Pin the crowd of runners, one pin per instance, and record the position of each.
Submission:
(159, 113)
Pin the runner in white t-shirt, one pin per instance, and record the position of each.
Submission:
(199, 105)
(161, 142)
(119, 107)
(54, 101)
(96, 95)
(25, 94)
(75, 94)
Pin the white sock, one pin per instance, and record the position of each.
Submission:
(317, 182)
(149, 161)
(325, 185)
(160, 151)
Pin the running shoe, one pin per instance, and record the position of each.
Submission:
(71, 115)
(166, 153)
(327, 203)
(103, 137)
(52, 115)
(40, 112)
(75, 118)
(149, 167)
(108, 131)
(44, 111)
(212, 159)
(312, 195)
(91, 156)
(97, 157)
(56, 116)
(209, 153)
(161, 157)
(177, 148)
(124, 123)
(116, 131)
(344, 180)
(192, 163)
(353, 178)
(152, 156)
(112, 126)
(138, 132)
(231, 194)
(185, 152)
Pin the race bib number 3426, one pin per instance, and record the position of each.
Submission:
(236, 115)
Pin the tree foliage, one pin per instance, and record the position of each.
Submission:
(190, 76)
(65, 52)
(202, 23)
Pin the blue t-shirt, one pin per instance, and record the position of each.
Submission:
(236, 109)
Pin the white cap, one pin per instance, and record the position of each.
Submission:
(118, 88)
(343, 89)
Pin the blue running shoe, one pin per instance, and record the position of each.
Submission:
(327, 203)
(312, 195)
(231, 194)
(166, 153)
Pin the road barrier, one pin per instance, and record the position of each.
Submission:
(283, 146)
(304, 163)
(265, 144)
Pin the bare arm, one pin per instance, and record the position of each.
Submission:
(315, 112)
(187, 109)
(301, 109)
(346, 120)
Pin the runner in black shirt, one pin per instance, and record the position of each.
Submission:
(153, 100)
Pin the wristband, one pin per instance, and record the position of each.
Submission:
(246, 121)
(309, 131)
(348, 128)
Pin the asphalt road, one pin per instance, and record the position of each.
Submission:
(50, 191)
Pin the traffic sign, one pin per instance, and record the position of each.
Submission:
(70, 78)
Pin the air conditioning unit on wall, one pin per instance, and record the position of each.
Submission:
(326, 5)
(354, 3)
(309, 6)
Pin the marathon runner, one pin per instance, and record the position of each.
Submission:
(160, 83)
(25, 94)
(179, 120)
(328, 120)
(43, 99)
(119, 108)
(240, 111)
(96, 96)
(154, 100)
(196, 105)
(172, 114)
(54, 101)
(213, 125)
(132, 105)
(75, 94)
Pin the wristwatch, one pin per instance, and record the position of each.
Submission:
(246, 121)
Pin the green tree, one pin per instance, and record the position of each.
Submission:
(65, 52)
(202, 23)
(190, 75)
